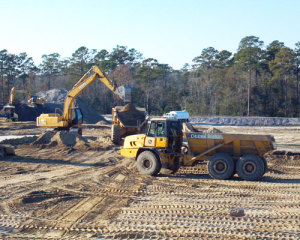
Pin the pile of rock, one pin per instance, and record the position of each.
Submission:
(245, 121)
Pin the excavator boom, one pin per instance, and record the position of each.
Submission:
(88, 78)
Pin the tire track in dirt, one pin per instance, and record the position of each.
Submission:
(60, 176)
(108, 199)
(172, 208)
(105, 196)
(22, 184)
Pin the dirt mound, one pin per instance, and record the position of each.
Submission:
(128, 107)
(100, 123)
(20, 141)
(25, 112)
(61, 139)
(54, 95)
(130, 115)
(212, 130)
(284, 158)
(188, 127)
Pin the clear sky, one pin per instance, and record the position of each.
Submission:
(172, 31)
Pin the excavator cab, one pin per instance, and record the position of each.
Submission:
(76, 116)
(34, 100)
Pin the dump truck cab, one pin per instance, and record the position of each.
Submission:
(159, 148)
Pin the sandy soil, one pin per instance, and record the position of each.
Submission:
(91, 192)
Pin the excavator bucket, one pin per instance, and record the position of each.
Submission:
(124, 93)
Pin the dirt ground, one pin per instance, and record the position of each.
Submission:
(89, 191)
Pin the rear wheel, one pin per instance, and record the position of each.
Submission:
(221, 166)
(116, 134)
(148, 163)
(250, 167)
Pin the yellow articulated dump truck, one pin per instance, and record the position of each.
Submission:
(226, 154)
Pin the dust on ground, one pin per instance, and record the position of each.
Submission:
(56, 192)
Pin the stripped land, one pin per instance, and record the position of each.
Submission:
(84, 189)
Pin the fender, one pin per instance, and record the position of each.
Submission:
(142, 149)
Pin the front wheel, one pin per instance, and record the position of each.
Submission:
(250, 167)
(116, 134)
(148, 163)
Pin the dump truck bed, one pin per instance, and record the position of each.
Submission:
(130, 116)
(203, 145)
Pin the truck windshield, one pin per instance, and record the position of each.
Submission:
(157, 129)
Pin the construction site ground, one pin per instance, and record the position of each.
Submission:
(87, 190)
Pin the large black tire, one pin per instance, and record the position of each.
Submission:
(221, 166)
(250, 167)
(176, 165)
(148, 163)
(265, 165)
(116, 134)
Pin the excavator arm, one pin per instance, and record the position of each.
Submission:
(12, 96)
(13, 93)
(88, 78)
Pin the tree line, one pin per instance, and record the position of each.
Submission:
(257, 80)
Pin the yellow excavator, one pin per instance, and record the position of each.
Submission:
(10, 107)
(30, 98)
(71, 117)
